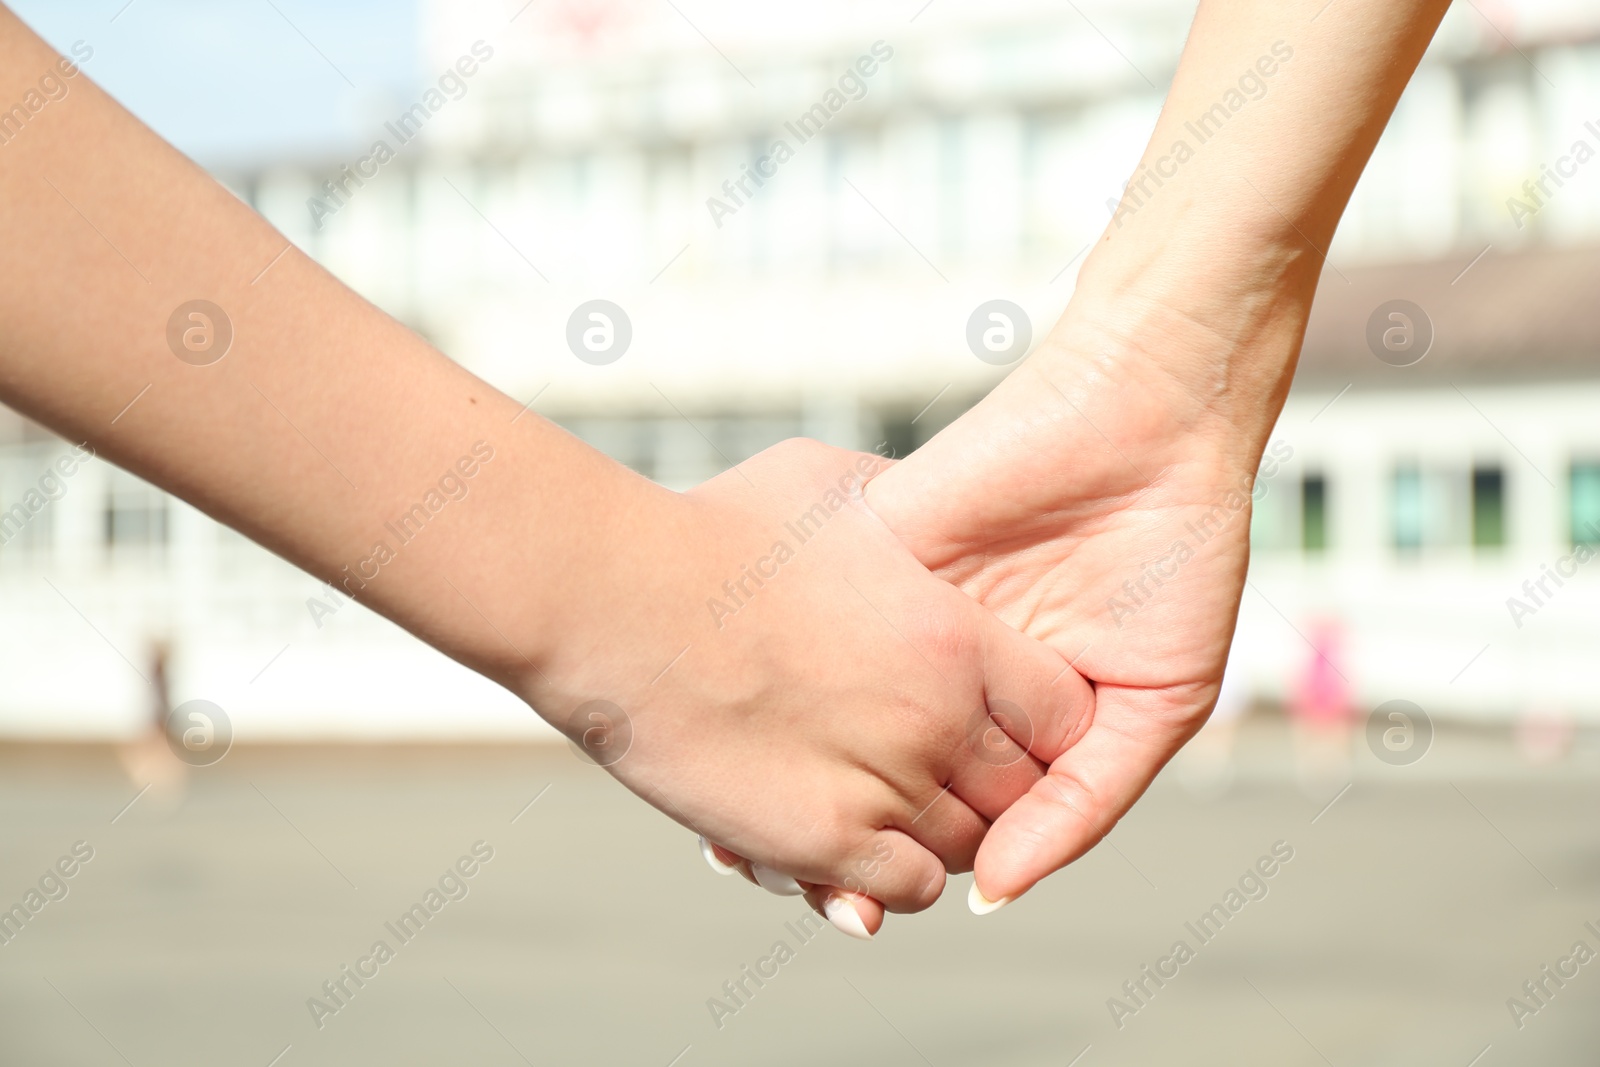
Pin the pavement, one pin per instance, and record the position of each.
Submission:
(1401, 916)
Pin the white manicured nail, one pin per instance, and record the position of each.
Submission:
(775, 881)
(844, 917)
(982, 905)
(711, 857)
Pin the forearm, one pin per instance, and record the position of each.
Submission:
(326, 430)
(1222, 233)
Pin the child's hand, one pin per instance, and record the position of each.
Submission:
(829, 713)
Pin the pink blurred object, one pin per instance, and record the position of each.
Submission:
(1544, 733)
(1322, 693)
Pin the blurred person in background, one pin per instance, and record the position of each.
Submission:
(1545, 732)
(1321, 710)
(148, 759)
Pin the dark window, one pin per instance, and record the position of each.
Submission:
(1488, 507)
(1314, 513)
(135, 515)
(899, 436)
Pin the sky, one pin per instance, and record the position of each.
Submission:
(235, 83)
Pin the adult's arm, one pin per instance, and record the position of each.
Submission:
(1099, 498)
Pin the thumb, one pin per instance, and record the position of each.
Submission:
(1086, 791)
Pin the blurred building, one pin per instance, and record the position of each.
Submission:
(935, 156)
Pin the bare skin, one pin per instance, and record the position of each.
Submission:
(1148, 405)
(811, 731)
(1141, 420)
(1059, 501)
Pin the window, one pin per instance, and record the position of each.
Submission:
(1488, 507)
(29, 487)
(1314, 513)
(1583, 502)
(135, 515)
(1407, 508)
(1430, 508)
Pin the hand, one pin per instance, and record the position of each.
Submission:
(830, 691)
(1098, 500)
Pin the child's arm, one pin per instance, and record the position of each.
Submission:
(807, 723)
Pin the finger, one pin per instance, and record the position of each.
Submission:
(947, 826)
(775, 881)
(896, 870)
(720, 859)
(850, 913)
(992, 770)
(1033, 694)
(771, 879)
(1035, 707)
(724, 861)
(1089, 788)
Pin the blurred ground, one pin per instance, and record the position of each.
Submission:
(1412, 909)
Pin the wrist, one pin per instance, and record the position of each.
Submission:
(1221, 341)
(607, 598)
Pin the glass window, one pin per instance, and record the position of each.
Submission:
(1583, 494)
(1314, 513)
(1407, 508)
(1274, 519)
(1488, 507)
(135, 514)
(1430, 508)
(29, 487)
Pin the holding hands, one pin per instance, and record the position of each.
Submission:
(850, 677)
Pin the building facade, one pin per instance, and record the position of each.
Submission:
(797, 215)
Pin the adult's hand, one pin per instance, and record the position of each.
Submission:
(1099, 498)
(1095, 502)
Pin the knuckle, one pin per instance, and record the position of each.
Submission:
(941, 633)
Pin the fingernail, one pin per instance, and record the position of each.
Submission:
(711, 858)
(982, 905)
(775, 881)
(844, 917)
